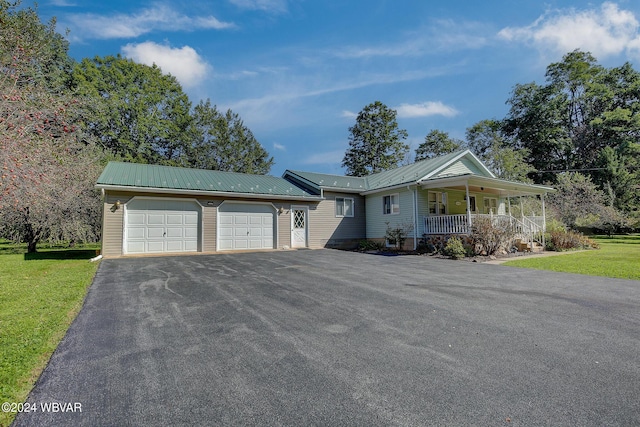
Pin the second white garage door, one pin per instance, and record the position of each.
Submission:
(245, 226)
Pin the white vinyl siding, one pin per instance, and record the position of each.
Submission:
(113, 224)
(326, 228)
(463, 166)
(377, 220)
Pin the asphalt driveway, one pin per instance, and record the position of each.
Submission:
(337, 338)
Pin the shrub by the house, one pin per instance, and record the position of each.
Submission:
(454, 248)
(490, 235)
(560, 240)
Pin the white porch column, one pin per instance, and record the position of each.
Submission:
(415, 218)
(544, 214)
(466, 187)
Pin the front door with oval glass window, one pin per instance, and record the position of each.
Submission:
(299, 223)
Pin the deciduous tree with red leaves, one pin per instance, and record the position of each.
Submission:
(47, 167)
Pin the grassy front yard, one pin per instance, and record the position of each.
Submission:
(40, 295)
(618, 257)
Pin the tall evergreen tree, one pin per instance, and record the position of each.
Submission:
(437, 143)
(376, 143)
(222, 142)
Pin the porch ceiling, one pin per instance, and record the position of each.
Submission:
(480, 184)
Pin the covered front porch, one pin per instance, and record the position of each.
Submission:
(452, 205)
(461, 224)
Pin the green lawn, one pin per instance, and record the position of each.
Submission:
(40, 295)
(618, 256)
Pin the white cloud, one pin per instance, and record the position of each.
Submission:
(425, 109)
(62, 3)
(183, 63)
(279, 147)
(328, 157)
(273, 6)
(89, 25)
(349, 114)
(603, 32)
(281, 96)
(441, 35)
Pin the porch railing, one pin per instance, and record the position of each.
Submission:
(533, 229)
(446, 224)
(459, 224)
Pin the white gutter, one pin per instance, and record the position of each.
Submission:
(206, 193)
(394, 187)
(342, 190)
(497, 183)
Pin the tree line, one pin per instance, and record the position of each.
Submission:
(578, 131)
(62, 120)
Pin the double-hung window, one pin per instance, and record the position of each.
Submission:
(391, 204)
(344, 207)
(437, 203)
(490, 205)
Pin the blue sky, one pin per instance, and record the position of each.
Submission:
(299, 71)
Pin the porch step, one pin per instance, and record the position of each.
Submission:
(523, 246)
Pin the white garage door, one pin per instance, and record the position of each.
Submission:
(245, 226)
(156, 226)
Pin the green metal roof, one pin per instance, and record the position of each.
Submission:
(142, 176)
(402, 175)
(409, 173)
(328, 181)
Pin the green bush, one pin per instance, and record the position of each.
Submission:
(454, 248)
(369, 245)
(555, 225)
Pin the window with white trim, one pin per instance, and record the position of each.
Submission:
(344, 207)
(490, 205)
(391, 204)
(437, 203)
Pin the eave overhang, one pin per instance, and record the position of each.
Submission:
(496, 185)
(235, 195)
